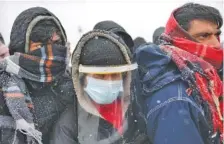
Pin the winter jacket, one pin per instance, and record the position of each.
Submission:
(85, 124)
(49, 99)
(172, 116)
(66, 130)
(49, 102)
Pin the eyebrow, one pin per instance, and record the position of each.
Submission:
(209, 33)
(202, 33)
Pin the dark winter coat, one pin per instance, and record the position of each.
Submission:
(49, 102)
(172, 116)
(85, 124)
(66, 129)
(49, 99)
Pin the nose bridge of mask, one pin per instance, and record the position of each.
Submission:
(105, 85)
(103, 91)
(109, 83)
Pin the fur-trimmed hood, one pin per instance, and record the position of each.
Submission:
(84, 100)
(25, 22)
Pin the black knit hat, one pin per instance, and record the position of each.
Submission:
(157, 33)
(117, 29)
(100, 51)
(138, 41)
(43, 28)
(2, 39)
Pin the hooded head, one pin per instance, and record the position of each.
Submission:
(101, 73)
(156, 35)
(195, 28)
(35, 24)
(197, 23)
(118, 30)
(99, 52)
(138, 41)
(38, 47)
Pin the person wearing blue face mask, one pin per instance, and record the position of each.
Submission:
(104, 89)
(102, 70)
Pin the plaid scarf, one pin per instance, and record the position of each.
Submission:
(197, 64)
(43, 63)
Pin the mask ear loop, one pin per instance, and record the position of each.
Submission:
(34, 22)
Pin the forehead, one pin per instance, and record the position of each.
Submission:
(105, 74)
(202, 26)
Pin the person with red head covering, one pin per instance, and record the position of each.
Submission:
(181, 87)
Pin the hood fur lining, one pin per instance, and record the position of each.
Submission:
(34, 22)
(85, 101)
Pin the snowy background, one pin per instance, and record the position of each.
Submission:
(138, 17)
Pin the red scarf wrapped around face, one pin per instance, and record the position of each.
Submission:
(112, 113)
(202, 74)
(181, 39)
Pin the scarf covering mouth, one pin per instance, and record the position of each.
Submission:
(177, 36)
(197, 64)
(44, 63)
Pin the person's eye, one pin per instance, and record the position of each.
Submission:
(102, 76)
(206, 35)
(98, 76)
(114, 75)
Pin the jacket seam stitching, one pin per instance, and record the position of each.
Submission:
(179, 91)
(174, 99)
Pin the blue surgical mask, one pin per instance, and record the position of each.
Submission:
(103, 91)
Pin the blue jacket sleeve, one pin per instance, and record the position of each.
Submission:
(174, 122)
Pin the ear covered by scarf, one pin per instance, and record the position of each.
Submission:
(178, 37)
(198, 64)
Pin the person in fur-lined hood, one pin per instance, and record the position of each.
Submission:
(35, 84)
(102, 70)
